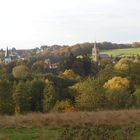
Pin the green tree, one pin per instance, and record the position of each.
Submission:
(104, 63)
(6, 101)
(38, 67)
(87, 65)
(90, 95)
(105, 74)
(137, 97)
(36, 88)
(22, 97)
(119, 99)
(67, 62)
(134, 75)
(10, 66)
(51, 95)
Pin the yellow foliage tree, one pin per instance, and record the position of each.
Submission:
(69, 74)
(117, 83)
(20, 72)
(123, 65)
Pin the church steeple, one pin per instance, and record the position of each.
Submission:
(7, 52)
(7, 58)
(95, 53)
(95, 45)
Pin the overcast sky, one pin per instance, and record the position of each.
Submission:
(32, 23)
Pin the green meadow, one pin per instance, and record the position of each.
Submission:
(69, 134)
(29, 133)
(122, 52)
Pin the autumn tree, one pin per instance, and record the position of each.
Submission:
(63, 106)
(20, 72)
(123, 65)
(117, 93)
(117, 83)
(70, 74)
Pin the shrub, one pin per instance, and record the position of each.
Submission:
(63, 106)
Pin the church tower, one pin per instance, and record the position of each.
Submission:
(7, 58)
(7, 52)
(95, 53)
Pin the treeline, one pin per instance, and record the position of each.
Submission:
(78, 85)
(85, 48)
(33, 95)
(32, 86)
(56, 52)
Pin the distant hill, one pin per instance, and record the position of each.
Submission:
(57, 52)
(122, 52)
(83, 48)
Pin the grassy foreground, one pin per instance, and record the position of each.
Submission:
(122, 52)
(102, 125)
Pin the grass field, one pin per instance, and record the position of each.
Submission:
(101, 125)
(54, 133)
(30, 133)
(122, 52)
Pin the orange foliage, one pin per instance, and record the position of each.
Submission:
(70, 109)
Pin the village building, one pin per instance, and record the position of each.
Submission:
(96, 56)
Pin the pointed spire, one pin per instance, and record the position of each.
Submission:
(95, 44)
(7, 52)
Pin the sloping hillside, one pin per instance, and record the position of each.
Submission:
(122, 52)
